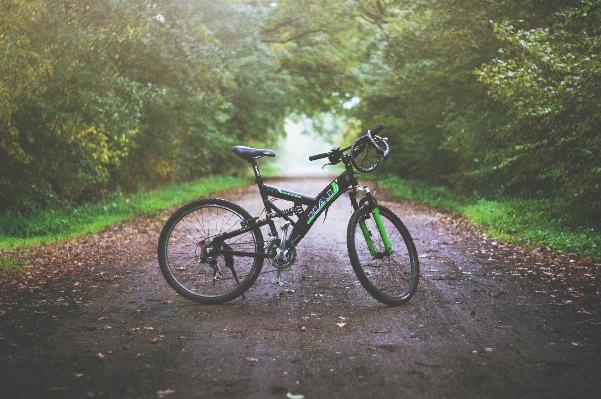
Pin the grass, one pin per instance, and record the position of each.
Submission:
(9, 266)
(18, 231)
(530, 223)
(422, 192)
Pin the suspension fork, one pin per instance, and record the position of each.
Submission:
(375, 211)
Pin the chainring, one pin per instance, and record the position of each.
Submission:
(289, 255)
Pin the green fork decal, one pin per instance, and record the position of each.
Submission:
(378, 219)
(367, 235)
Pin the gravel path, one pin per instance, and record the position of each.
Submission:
(488, 321)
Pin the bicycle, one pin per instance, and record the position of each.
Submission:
(212, 250)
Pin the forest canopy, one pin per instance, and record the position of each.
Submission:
(493, 98)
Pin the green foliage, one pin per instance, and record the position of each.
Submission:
(533, 223)
(494, 98)
(96, 95)
(430, 194)
(549, 79)
(500, 99)
(317, 44)
(17, 229)
(8, 266)
(70, 127)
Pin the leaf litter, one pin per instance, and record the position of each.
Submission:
(65, 273)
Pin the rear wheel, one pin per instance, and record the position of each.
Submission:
(391, 277)
(190, 269)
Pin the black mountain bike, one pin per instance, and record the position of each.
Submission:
(212, 250)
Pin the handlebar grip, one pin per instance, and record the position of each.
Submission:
(378, 129)
(319, 156)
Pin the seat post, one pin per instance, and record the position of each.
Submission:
(259, 179)
(260, 183)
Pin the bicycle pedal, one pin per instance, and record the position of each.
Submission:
(277, 282)
(278, 279)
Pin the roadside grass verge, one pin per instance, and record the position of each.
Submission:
(530, 223)
(53, 225)
(9, 266)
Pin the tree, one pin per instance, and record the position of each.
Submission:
(549, 79)
(70, 125)
(445, 124)
(22, 69)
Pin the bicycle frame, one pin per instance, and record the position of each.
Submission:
(213, 250)
(315, 207)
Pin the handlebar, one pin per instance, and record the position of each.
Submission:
(319, 156)
(378, 129)
(379, 143)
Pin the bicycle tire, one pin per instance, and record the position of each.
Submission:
(180, 246)
(392, 279)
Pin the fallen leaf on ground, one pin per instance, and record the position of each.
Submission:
(162, 394)
(341, 324)
(157, 339)
(99, 356)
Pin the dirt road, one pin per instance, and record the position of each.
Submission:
(488, 321)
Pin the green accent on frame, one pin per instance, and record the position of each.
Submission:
(288, 193)
(322, 202)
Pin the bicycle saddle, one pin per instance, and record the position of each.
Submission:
(248, 153)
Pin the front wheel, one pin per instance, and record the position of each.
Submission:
(184, 259)
(386, 264)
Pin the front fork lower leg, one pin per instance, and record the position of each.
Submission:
(368, 236)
